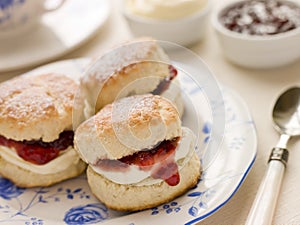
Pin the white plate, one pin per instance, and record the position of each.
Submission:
(72, 202)
(59, 32)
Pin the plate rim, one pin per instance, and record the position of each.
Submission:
(238, 98)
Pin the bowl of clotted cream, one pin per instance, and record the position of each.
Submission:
(179, 21)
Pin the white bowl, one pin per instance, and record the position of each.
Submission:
(184, 31)
(253, 51)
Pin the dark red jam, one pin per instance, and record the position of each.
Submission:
(262, 17)
(161, 160)
(37, 151)
(165, 83)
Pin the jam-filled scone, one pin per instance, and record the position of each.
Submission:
(138, 153)
(36, 136)
(137, 67)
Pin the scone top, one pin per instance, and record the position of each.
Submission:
(135, 67)
(36, 107)
(127, 126)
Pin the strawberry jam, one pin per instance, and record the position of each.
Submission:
(160, 160)
(260, 17)
(165, 83)
(37, 151)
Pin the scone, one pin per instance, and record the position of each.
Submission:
(139, 156)
(36, 136)
(137, 67)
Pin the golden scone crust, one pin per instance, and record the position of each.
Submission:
(133, 198)
(25, 178)
(115, 72)
(36, 107)
(127, 126)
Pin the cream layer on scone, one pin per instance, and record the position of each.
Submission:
(65, 159)
(136, 176)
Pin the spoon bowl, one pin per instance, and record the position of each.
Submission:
(286, 113)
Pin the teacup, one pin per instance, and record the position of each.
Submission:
(18, 16)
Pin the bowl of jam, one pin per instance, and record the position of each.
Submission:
(259, 33)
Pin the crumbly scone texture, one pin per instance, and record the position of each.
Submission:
(36, 107)
(135, 67)
(134, 198)
(127, 126)
(25, 178)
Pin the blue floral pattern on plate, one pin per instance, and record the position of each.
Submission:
(4, 4)
(87, 214)
(8, 190)
(5, 8)
(71, 202)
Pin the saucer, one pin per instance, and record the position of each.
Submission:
(58, 33)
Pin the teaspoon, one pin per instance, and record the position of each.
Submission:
(286, 118)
